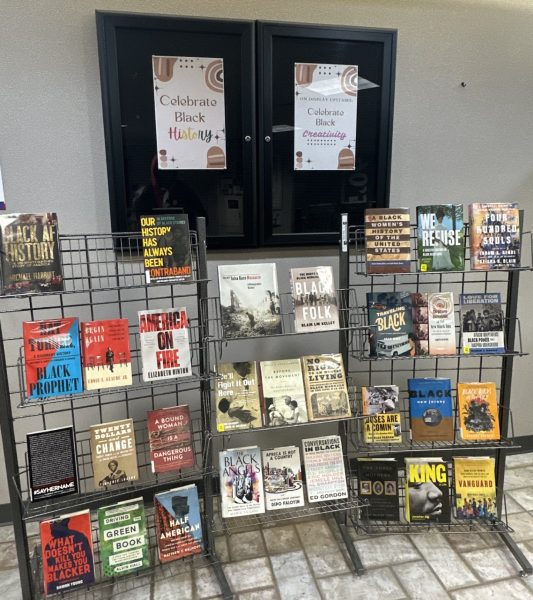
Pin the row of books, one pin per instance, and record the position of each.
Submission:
(494, 238)
(427, 488)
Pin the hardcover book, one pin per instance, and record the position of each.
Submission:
(170, 435)
(166, 248)
(178, 523)
(52, 358)
(482, 323)
(241, 482)
(238, 405)
(475, 487)
(165, 349)
(383, 424)
(123, 538)
(420, 319)
(29, 257)
(52, 463)
(67, 552)
(315, 299)
(388, 240)
(325, 476)
(441, 324)
(249, 300)
(427, 494)
(478, 411)
(325, 387)
(494, 236)
(441, 242)
(282, 477)
(377, 482)
(390, 317)
(431, 409)
(106, 354)
(283, 392)
(114, 455)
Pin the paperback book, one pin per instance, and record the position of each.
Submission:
(325, 476)
(381, 403)
(475, 487)
(377, 482)
(478, 411)
(431, 409)
(441, 324)
(388, 240)
(170, 438)
(315, 299)
(427, 494)
(390, 318)
(420, 318)
(241, 482)
(238, 404)
(482, 323)
(282, 477)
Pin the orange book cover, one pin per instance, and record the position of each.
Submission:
(478, 411)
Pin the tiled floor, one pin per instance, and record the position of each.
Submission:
(303, 561)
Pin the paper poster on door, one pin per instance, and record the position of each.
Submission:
(189, 112)
(325, 116)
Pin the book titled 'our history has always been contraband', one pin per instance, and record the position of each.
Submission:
(238, 404)
(325, 476)
(241, 482)
(315, 299)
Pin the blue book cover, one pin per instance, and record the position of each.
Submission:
(391, 321)
(482, 323)
(431, 409)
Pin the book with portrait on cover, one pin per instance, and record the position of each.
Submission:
(241, 482)
(282, 476)
(315, 299)
(427, 494)
(237, 400)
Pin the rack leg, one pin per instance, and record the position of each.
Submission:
(527, 569)
(348, 542)
(227, 594)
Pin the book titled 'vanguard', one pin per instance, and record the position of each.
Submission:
(315, 299)
(241, 482)
(324, 468)
(475, 487)
(282, 474)
(430, 409)
(169, 432)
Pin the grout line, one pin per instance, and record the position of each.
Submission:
(269, 562)
(308, 563)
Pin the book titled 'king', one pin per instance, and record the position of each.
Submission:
(427, 493)
(169, 431)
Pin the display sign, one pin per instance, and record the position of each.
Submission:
(325, 116)
(189, 112)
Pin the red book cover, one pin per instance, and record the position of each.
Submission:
(171, 446)
(106, 354)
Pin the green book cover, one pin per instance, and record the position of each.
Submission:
(441, 243)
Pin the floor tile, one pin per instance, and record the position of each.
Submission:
(221, 547)
(10, 584)
(386, 550)
(281, 539)
(491, 564)
(317, 532)
(7, 534)
(378, 583)
(518, 460)
(524, 497)
(166, 589)
(205, 583)
(511, 506)
(8, 555)
(326, 561)
(510, 589)
(412, 574)
(265, 594)
(294, 578)
(522, 523)
(246, 545)
(249, 574)
(469, 542)
(517, 478)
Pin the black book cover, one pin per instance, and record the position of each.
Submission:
(378, 483)
(427, 490)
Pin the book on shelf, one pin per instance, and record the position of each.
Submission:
(249, 300)
(391, 322)
(283, 392)
(166, 248)
(241, 482)
(282, 478)
(165, 348)
(388, 240)
(315, 299)
(377, 482)
(478, 411)
(420, 323)
(431, 409)
(325, 477)
(29, 258)
(67, 552)
(113, 451)
(52, 463)
(427, 494)
(123, 538)
(494, 236)
(178, 523)
(52, 358)
(482, 323)
(383, 423)
(170, 439)
(106, 354)
(237, 399)
(325, 387)
(441, 241)
(441, 314)
(475, 487)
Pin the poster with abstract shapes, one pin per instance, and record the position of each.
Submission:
(325, 117)
(189, 112)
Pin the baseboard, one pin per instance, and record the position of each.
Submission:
(525, 442)
(5, 513)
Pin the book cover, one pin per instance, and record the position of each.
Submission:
(381, 403)
(178, 523)
(283, 392)
(52, 463)
(67, 552)
(427, 493)
(441, 324)
(420, 320)
(377, 482)
(114, 455)
(441, 238)
(106, 355)
(282, 478)
(325, 387)
(390, 317)
(431, 409)
(123, 538)
(475, 487)
(494, 236)
(482, 323)
(29, 257)
(238, 404)
(315, 299)
(52, 358)
(325, 476)
(166, 248)
(249, 300)
(241, 482)
(478, 411)
(388, 240)
(170, 436)
(165, 348)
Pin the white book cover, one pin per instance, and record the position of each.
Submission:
(283, 392)
(315, 299)
(324, 469)
(441, 319)
(241, 482)
(282, 476)
(482, 323)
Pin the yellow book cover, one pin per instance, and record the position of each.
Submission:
(475, 487)
(383, 428)
(478, 411)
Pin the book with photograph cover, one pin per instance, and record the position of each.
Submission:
(52, 463)
(478, 411)
(388, 240)
(381, 404)
(178, 523)
(166, 248)
(390, 317)
(282, 478)
(241, 482)
(482, 323)
(420, 320)
(377, 482)
(249, 300)
(237, 399)
(431, 409)
(170, 438)
(29, 254)
(315, 299)
(475, 487)
(427, 493)
(441, 313)
(325, 477)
